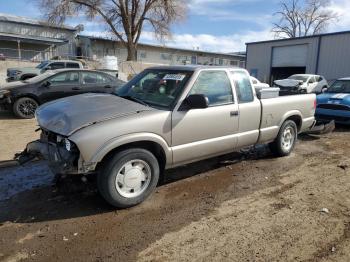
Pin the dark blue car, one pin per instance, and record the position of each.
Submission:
(334, 104)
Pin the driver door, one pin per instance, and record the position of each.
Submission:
(202, 133)
(61, 85)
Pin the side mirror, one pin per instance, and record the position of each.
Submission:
(46, 84)
(197, 101)
(48, 68)
(324, 90)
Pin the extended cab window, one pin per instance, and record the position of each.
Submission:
(243, 87)
(215, 85)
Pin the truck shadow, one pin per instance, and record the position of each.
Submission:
(73, 198)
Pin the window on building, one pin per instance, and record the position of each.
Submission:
(142, 54)
(166, 56)
(242, 64)
(221, 61)
(234, 63)
(215, 85)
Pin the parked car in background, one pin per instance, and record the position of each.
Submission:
(24, 73)
(302, 83)
(2, 57)
(163, 118)
(23, 97)
(257, 84)
(334, 103)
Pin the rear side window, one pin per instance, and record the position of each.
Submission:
(243, 87)
(72, 65)
(94, 78)
(215, 85)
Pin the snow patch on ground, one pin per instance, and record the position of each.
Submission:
(17, 179)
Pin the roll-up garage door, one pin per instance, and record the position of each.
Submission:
(289, 56)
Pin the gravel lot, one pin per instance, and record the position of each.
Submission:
(239, 207)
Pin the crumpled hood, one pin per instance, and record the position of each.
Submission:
(339, 98)
(288, 82)
(67, 115)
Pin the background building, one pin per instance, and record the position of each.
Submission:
(27, 39)
(97, 48)
(325, 54)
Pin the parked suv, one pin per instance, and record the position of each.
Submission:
(24, 73)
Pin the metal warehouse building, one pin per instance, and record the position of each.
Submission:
(97, 47)
(33, 40)
(325, 54)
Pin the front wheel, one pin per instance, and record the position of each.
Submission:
(128, 178)
(286, 139)
(25, 107)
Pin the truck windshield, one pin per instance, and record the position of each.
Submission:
(340, 86)
(155, 87)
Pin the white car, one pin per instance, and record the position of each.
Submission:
(257, 84)
(303, 83)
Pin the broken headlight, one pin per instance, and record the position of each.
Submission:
(3, 93)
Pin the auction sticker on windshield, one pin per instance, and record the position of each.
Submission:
(176, 77)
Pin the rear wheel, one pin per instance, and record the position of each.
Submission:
(25, 107)
(286, 139)
(128, 178)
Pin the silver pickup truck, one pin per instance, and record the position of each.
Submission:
(163, 118)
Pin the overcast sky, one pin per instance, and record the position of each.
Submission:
(212, 25)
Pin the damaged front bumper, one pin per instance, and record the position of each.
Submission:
(60, 160)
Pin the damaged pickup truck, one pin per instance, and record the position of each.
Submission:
(163, 118)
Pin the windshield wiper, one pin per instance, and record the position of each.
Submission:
(135, 100)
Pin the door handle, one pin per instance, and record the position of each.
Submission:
(76, 88)
(234, 113)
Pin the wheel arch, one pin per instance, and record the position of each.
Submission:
(294, 116)
(155, 144)
(32, 96)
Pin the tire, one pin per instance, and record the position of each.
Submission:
(288, 132)
(128, 178)
(25, 107)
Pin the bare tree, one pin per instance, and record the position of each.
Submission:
(126, 19)
(302, 19)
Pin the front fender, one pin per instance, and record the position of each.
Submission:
(127, 139)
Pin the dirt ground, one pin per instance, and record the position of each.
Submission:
(240, 207)
(15, 134)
